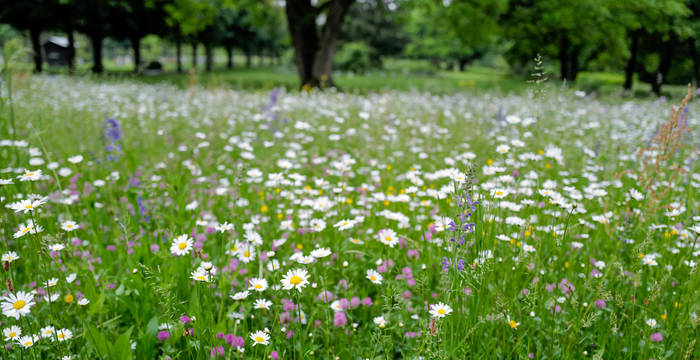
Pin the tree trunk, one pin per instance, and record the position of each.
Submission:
(229, 57)
(462, 64)
(209, 55)
(194, 55)
(36, 49)
(564, 58)
(178, 52)
(136, 46)
(71, 52)
(261, 59)
(664, 67)
(632, 61)
(323, 62)
(248, 58)
(696, 61)
(313, 54)
(96, 41)
(573, 64)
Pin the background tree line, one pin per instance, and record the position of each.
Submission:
(655, 41)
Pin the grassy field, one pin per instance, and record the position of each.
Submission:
(146, 218)
(397, 74)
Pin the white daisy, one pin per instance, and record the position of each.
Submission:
(388, 237)
(440, 310)
(12, 333)
(257, 284)
(181, 245)
(10, 256)
(262, 304)
(295, 279)
(260, 337)
(344, 224)
(16, 305)
(69, 225)
(374, 276)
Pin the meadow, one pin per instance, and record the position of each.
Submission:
(156, 221)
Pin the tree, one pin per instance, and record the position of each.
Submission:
(314, 47)
(452, 31)
(94, 19)
(574, 33)
(189, 18)
(134, 19)
(376, 23)
(649, 26)
(32, 16)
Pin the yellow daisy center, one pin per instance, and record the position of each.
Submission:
(182, 246)
(258, 286)
(61, 336)
(27, 343)
(28, 206)
(259, 339)
(388, 238)
(246, 254)
(12, 334)
(373, 278)
(441, 311)
(19, 304)
(295, 280)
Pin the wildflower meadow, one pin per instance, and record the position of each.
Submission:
(155, 222)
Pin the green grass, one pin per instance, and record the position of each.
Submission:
(557, 232)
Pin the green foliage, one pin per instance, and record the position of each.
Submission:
(354, 57)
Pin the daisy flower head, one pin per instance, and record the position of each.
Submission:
(440, 310)
(64, 334)
(388, 237)
(246, 253)
(258, 284)
(12, 333)
(499, 193)
(83, 302)
(344, 224)
(295, 279)
(273, 265)
(240, 295)
(27, 205)
(260, 338)
(380, 321)
(47, 332)
(26, 341)
(200, 275)
(69, 225)
(28, 175)
(224, 227)
(320, 252)
(651, 322)
(502, 149)
(56, 247)
(262, 304)
(10, 257)
(181, 245)
(374, 276)
(16, 305)
(75, 159)
(356, 241)
(253, 237)
(512, 323)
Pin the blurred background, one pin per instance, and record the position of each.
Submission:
(635, 47)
